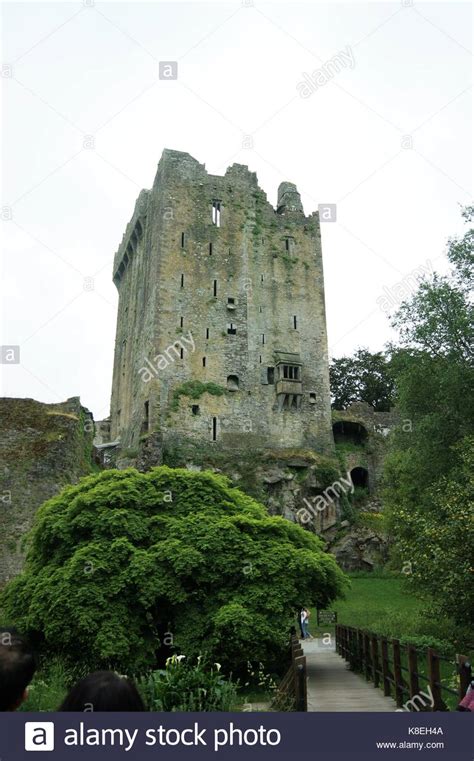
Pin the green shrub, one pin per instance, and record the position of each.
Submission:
(194, 389)
(186, 686)
(122, 560)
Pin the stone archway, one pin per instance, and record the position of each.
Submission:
(360, 477)
(348, 431)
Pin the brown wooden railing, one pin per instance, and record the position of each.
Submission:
(291, 694)
(396, 668)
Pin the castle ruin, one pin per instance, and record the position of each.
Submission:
(221, 329)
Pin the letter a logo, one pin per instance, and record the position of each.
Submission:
(39, 735)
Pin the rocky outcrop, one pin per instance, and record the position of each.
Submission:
(43, 447)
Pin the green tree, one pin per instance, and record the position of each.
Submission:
(365, 377)
(124, 561)
(434, 380)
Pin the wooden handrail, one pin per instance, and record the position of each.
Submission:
(382, 661)
(292, 690)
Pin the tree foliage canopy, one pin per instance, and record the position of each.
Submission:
(425, 473)
(124, 560)
(365, 377)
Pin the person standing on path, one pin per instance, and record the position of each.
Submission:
(304, 620)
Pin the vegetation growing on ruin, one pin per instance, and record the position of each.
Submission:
(194, 389)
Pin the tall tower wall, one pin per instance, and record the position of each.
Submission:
(218, 288)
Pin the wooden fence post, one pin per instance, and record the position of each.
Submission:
(465, 674)
(375, 660)
(361, 651)
(385, 668)
(413, 671)
(367, 656)
(397, 673)
(300, 683)
(434, 680)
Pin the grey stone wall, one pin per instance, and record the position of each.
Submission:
(43, 447)
(180, 275)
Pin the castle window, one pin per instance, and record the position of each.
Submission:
(215, 288)
(214, 429)
(182, 281)
(195, 409)
(291, 372)
(181, 321)
(181, 352)
(263, 338)
(182, 240)
(146, 417)
(287, 244)
(207, 332)
(204, 361)
(261, 278)
(312, 398)
(232, 383)
(216, 213)
(260, 310)
(210, 249)
(260, 359)
(294, 321)
(230, 300)
(231, 329)
(270, 375)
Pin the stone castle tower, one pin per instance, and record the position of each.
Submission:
(221, 329)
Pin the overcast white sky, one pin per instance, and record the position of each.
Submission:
(79, 71)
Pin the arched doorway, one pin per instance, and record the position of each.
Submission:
(347, 431)
(360, 477)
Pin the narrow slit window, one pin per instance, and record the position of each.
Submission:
(181, 321)
(182, 281)
(204, 361)
(182, 240)
(261, 278)
(215, 288)
(207, 332)
(181, 353)
(287, 244)
(263, 338)
(294, 321)
(260, 359)
(216, 213)
(214, 429)
(231, 329)
(210, 249)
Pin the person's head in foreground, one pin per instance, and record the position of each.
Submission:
(103, 691)
(17, 666)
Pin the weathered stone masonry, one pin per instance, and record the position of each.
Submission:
(217, 287)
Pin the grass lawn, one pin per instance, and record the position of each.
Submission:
(371, 600)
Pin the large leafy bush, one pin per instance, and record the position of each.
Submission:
(126, 563)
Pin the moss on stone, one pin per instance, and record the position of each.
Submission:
(194, 389)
